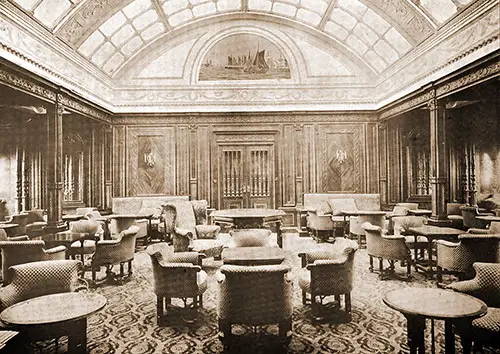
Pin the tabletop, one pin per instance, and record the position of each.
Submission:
(431, 230)
(247, 213)
(53, 308)
(64, 236)
(253, 255)
(363, 212)
(434, 303)
(128, 216)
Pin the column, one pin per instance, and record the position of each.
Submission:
(439, 162)
(55, 167)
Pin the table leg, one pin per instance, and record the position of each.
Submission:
(449, 338)
(416, 327)
(77, 336)
(278, 233)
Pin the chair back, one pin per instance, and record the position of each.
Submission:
(469, 215)
(373, 234)
(85, 211)
(454, 208)
(402, 224)
(250, 237)
(200, 208)
(377, 245)
(180, 214)
(18, 252)
(3, 235)
(255, 295)
(21, 220)
(122, 251)
(41, 278)
(488, 279)
(35, 215)
(494, 227)
(410, 206)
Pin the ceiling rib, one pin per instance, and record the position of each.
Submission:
(327, 14)
(159, 9)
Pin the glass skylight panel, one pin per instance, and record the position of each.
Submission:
(262, 5)
(103, 54)
(114, 22)
(365, 34)
(131, 46)
(50, 10)
(173, 6)
(317, 6)
(27, 4)
(113, 63)
(441, 10)
(284, 9)
(343, 18)
(197, 2)
(123, 35)
(90, 45)
(353, 6)
(152, 31)
(336, 30)
(377, 62)
(397, 41)
(386, 52)
(376, 22)
(204, 9)
(145, 19)
(180, 17)
(227, 5)
(356, 44)
(308, 16)
(136, 7)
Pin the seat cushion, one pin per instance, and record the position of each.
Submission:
(338, 205)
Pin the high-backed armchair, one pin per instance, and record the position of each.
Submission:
(400, 209)
(458, 257)
(323, 275)
(388, 247)
(454, 214)
(251, 238)
(186, 222)
(254, 296)
(19, 252)
(93, 232)
(117, 251)
(485, 286)
(36, 222)
(176, 275)
(21, 219)
(469, 214)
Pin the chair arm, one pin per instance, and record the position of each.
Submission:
(337, 261)
(487, 236)
(183, 233)
(81, 285)
(220, 277)
(466, 286)
(108, 242)
(54, 250)
(19, 238)
(393, 237)
(165, 264)
(185, 257)
(474, 230)
(448, 244)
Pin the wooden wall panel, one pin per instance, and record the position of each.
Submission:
(288, 172)
(119, 161)
(309, 158)
(203, 162)
(372, 153)
(183, 160)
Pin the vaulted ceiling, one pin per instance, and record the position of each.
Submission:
(147, 55)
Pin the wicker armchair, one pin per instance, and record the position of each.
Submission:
(186, 221)
(19, 252)
(21, 220)
(112, 252)
(485, 286)
(390, 248)
(251, 238)
(327, 274)
(254, 296)
(458, 257)
(176, 275)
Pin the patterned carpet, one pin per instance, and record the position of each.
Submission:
(128, 323)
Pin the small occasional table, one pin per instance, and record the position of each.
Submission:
(250, 218)
(417, 304)
(67, 312)
(251, 256)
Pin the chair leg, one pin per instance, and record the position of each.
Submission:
(408, 268)
(285, 328)
(122, 273)
(304, 297)
(159, 309)
(439, 275)
(371, 264)
(224, 331)
(129, 268)
(380, 265)
(200, 302)
(347, 299)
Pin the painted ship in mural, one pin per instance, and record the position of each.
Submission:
(266, 62)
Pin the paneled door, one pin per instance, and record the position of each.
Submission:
(246, 176)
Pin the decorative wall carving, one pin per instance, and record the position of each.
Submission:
(16, 81)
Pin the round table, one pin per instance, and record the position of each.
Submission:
(68, 312)
(417, 304)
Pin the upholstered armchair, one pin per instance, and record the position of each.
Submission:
(485, 286)
(176, 275)
(251, 238)
(391, 248)
(112, 252)
(93, 232)
(400, 209)
(454, 214)
(186, 221)
(21, 220)
(254, 296)
(4, 237)
(469, 214)
(494, 228)
(325, 274)
(19, 252)
(402, 225)
(37, 220)
(458, 257)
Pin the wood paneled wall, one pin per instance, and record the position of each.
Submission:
(312, 153)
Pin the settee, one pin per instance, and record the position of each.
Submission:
(139, 205)
(321, 217)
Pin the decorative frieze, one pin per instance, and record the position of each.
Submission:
(84, 109)
(13, 80)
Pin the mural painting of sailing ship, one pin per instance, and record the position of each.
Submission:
(244, 57)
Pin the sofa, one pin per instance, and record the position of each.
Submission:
(139, 205)
(321, 218)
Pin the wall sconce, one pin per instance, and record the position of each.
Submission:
(341, 155)
(149, 159)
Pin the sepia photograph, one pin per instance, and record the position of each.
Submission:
(249, 176)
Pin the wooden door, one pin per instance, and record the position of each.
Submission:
(246, 176)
